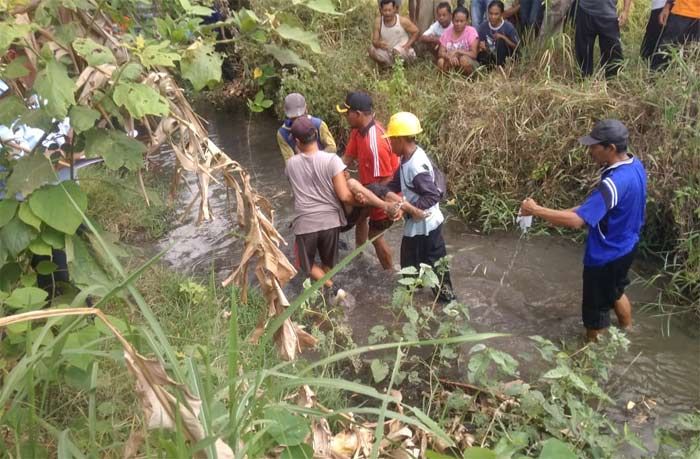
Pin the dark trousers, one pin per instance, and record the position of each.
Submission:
(48, 282)
(651, 35)
(425, 249)
(607, 30)
(498, 56)
(678, 31)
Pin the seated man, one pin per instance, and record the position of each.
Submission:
(294, 107)
(498, 38)
(393, 36)
(320, 190)
(431, 37)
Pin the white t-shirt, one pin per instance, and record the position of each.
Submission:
(435, 29)
(656, 4)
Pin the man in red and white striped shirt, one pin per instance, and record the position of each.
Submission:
(376, 165)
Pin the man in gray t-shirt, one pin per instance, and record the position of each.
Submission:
(320, 191)
(598, 19)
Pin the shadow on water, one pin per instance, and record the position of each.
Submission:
(535, 292)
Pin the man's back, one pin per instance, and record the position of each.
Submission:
(316, 206)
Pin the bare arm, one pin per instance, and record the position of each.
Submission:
(625, 13)
(511, 44)
(411, 29)
(565, 218)
(413, 6)
(376, 37)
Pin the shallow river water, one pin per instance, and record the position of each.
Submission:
(524, 288)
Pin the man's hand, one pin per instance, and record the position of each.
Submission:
(499, 36)
(383, 45)
(622, 20)
(361, 199)
(528, 207)
(663, 16)
(482, 46)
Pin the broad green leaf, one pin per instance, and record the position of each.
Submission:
(53, 84)
(558, 372)
(322, 6)
(83, 118)
(39, 247)
(28, 297)
(247, 20)
(40, 118)
(478, 453)
(286, 56)
(27, 216)
(11, 108)
(380, 370)
(199, 10)
(52, 237)
(131, 71)
(94, 53)
(16, 69)
(46, 267)
(119, 324)
(140, 100)
(556, 449)
(301, 451)
(430, 454)
(9, 274)
(8, 207)
(115, 147)
(158, 54)
(83, 267)
(53, 206)
(16, 236)
(286, 428)
(9, 32)
(30, 172)
(201, 65)
(289, 32)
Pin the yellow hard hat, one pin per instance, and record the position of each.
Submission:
(403, 124)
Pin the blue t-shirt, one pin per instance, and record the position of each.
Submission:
(506, 28)
(614, 212)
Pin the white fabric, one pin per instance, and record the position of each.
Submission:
(395, 36)
(435, 29)
(656, 4)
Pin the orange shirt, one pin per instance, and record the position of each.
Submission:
(687, 8)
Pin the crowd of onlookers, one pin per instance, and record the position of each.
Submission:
(489, 33)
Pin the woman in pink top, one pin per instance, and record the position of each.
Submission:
(459, 44)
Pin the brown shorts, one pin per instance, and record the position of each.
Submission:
(324, 242)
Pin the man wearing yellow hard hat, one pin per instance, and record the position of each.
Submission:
(416, 178)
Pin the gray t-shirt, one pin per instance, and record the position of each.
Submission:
(316, 206)
(600, 8)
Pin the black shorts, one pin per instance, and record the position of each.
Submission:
(602, 286)
(380, 225)
(324, 242)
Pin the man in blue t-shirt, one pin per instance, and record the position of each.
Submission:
(614, 214)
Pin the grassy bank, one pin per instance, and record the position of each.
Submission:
(509, 134)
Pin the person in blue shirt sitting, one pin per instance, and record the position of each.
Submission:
(614, 214)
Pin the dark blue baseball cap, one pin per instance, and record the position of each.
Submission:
(606, 131)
